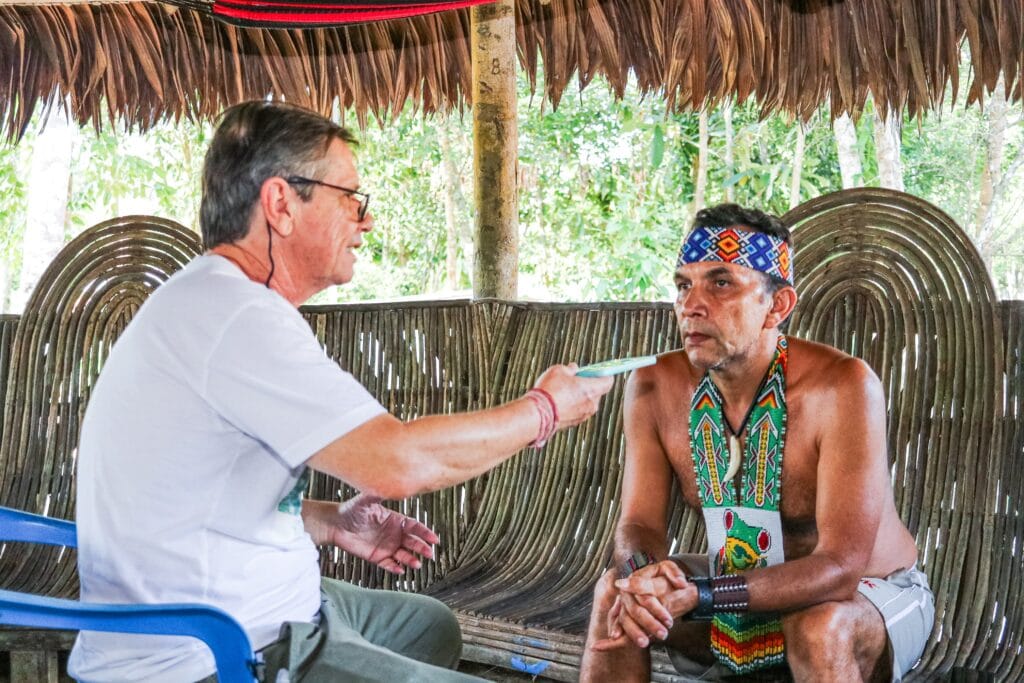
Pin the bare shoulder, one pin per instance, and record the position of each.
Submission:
(671, 374)
(649, 390)
(826, 371)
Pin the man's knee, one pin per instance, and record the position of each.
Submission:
(443, 631)
(820, 632)
(837, 639)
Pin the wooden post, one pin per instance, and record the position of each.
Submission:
(34, 667)
(495, 150)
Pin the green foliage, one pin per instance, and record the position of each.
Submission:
(600, 209)
(115, 173)
(12, 209)
(605, 188)
(929, 148)
(400, 166)
(944, 156)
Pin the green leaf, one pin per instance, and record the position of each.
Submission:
(736, 178)
(657, 146)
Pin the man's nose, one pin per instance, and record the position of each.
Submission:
(366, 225)
(692, 302)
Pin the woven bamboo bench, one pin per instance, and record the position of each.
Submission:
(882, 275)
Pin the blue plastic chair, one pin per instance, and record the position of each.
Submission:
(228, 641)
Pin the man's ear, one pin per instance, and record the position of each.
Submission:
(278, 202)
(783, 303)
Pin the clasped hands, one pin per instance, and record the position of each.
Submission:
(646, 606)
(361, 526)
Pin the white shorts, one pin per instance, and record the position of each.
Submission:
(908, 609)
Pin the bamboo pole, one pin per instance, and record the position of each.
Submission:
(495, 150)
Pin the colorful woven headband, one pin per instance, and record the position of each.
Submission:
(756, 250)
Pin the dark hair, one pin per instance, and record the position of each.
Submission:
(724, 215)
(255, 141)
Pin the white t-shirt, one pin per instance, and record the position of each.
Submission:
(191, 451)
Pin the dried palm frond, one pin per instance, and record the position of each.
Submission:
(142, 61)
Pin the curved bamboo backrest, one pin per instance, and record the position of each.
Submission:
(439, 357)
(543, 532)
(422, 358)
(83, 301)
(1002, 653)
(889, 278)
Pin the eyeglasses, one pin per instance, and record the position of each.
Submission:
(362, 197)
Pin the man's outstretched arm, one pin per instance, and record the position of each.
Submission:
(391, 459)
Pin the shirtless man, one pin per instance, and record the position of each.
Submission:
(793, 555)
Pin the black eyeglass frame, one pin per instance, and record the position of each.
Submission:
(363, 197)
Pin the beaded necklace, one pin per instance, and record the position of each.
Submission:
(743, 522)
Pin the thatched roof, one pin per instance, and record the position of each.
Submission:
(144, 60)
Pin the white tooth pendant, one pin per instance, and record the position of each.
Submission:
(734, 458)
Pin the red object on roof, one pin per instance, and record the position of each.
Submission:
(300, 13)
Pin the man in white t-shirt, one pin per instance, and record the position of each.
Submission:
(216, 401)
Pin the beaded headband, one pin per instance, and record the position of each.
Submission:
(755, 250)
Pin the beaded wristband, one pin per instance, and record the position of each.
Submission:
(548, 414)
(636, 561)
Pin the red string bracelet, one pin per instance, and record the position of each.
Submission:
(548, 413)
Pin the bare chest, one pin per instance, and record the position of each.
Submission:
(799, 471)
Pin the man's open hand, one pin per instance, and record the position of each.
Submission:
(363, 527)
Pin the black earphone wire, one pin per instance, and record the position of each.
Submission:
(270, 255)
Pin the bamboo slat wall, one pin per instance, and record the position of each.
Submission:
(881, 275)
(1007, 578)
(417, 360)
(82, 303)
(145, 61)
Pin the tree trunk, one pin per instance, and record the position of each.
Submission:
(845, 132)
(451, 186)
(47, 203)
(798, 166)
(991, 174)
(452, 246)
(1014, 282)
(888, 141)
(730, 156)
(495, 147)
(700, 171)
(188, 162)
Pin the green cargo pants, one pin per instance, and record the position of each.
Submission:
(367, 635)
